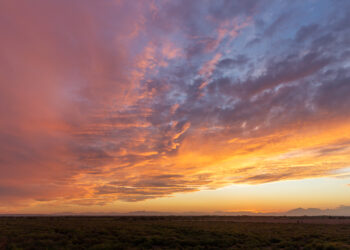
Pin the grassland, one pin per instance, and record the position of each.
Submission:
(172, 233)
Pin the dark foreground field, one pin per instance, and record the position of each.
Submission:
(173, 233)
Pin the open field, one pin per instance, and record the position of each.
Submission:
(205, 232)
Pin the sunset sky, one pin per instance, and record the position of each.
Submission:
(174, 105)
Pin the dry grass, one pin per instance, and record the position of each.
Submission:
(173, 233)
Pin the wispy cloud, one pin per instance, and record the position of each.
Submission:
(107, 100)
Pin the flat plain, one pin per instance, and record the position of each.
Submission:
(174, 232)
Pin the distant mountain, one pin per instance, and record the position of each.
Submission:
(339, 211)
(302, 212)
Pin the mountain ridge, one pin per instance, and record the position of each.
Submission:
(339, 211)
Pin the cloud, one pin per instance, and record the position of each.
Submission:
(306, 32)
(231, 62)
(277, 23)
(107, 100)
(54, 72)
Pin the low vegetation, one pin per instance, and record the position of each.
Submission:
(166, 233)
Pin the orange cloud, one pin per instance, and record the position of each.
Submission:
(106, 101)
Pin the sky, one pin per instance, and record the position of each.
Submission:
(174, 105)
